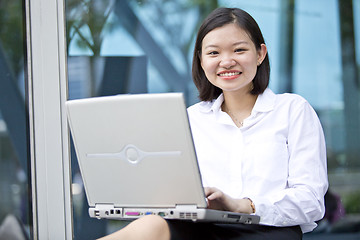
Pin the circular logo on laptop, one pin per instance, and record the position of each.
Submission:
(132, 154)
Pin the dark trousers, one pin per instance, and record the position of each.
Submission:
(187, 230)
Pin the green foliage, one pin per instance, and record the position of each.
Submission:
(12, 32)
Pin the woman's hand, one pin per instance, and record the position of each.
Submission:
(220, 201)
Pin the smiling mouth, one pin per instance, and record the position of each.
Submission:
(229, 74)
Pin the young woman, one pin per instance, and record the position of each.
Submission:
(258, 152)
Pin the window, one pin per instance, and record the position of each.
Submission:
(15, 189)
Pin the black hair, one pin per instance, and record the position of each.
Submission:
(218, 18)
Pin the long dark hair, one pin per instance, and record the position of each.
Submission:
(218, 18)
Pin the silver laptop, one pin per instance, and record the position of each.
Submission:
(137, 158)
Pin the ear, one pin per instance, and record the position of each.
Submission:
(261, 54)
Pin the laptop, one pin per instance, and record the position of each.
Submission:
(136, 157)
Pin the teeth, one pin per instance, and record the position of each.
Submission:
(228, 74)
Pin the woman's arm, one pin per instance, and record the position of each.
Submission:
(302, 201)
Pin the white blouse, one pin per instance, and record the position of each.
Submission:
(278, 157)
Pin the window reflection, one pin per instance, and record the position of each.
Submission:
(15, 200)
(154, 38)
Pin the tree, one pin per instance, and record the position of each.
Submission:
(350, 83)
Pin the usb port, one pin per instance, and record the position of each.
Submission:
(97, 213)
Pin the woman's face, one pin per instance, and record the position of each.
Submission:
(229, 58)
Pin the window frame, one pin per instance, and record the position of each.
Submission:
(49, 135)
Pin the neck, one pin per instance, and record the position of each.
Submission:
(239, 103)
(238, 106)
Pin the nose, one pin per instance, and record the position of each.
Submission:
(227, 62)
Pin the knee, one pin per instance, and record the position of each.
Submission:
(154, 221)
(153, 227)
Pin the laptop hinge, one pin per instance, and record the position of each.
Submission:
(187, 207)
(104, 205)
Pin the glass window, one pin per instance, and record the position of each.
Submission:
(15, 191)
(356, 6)
(146, 46)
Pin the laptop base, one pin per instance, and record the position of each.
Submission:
(180, 212)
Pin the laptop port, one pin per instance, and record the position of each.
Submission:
(162, 214)
(132, 213)
(233, 216)
(248, 221)
(97, 213)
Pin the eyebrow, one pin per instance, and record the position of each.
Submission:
(234, 44)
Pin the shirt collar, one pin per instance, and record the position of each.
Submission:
(214, 105)
(264, 103)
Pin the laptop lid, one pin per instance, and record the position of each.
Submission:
(136, 150)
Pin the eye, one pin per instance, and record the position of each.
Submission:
(213, 53)
(239, 50)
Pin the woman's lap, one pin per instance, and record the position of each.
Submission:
(210, 231)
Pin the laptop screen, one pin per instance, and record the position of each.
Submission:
(136, 150)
